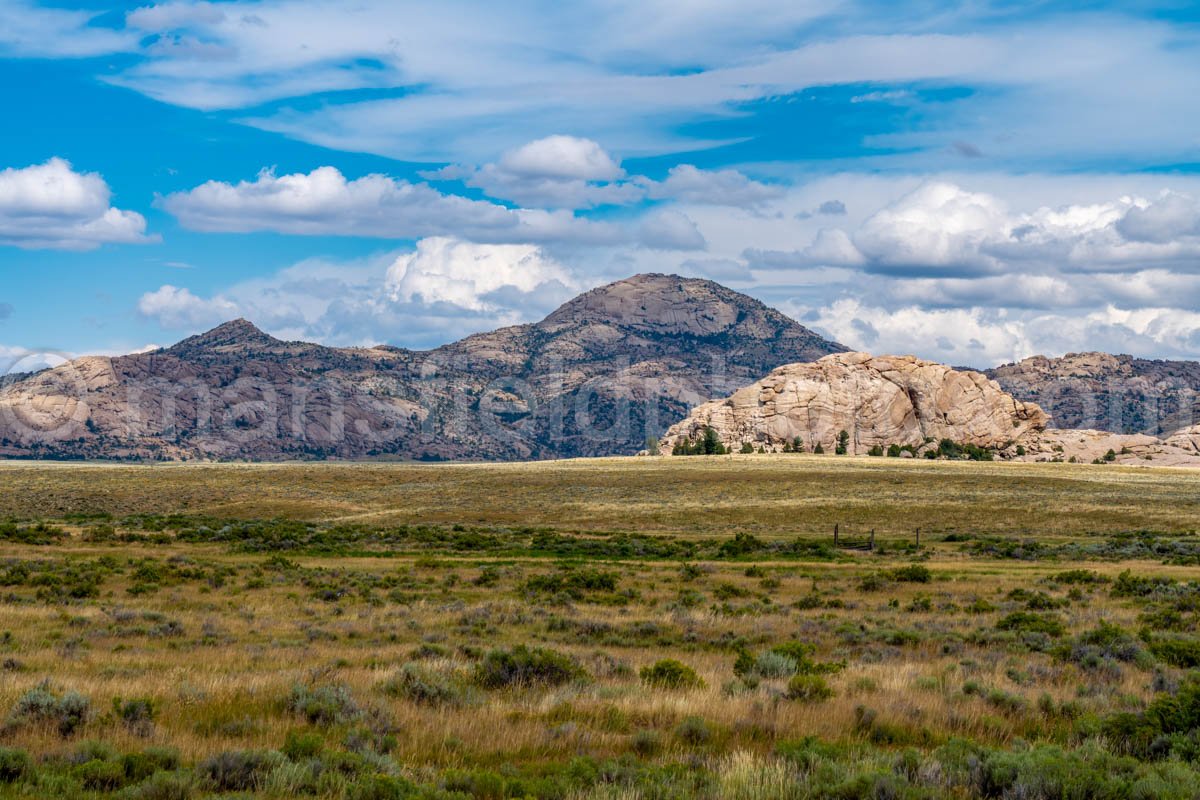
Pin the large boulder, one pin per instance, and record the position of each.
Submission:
(878, 400)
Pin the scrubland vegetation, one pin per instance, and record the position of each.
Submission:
(654, 628)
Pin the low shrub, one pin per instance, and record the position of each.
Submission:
(423, 687)
(1028, 622)
(239, 770)
(101, 775)
(1079, 576)
(301, 745)
(808, 689)
(524, 666)
(15, 765)
(646, 743)
(1165, 724)
(136, 714)
(573, 583)
(1104, 644)
(668, 673)
(67, 712)
(139, 766)
(781, 661)
(165, 786)
(1178, 652)
(913, 573)
(323, 705)
(1129, 585)
(380, 787)
(774, 665)
(693, 731)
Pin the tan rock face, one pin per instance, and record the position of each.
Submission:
(878, 400)
(1086, 446)
(1187, 439)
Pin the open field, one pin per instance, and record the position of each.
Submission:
(769, 496)
(620, 628)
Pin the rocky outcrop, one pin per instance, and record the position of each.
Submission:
(1107, 392)
(1187, 439)
(596, 377)
(877, 400)
(1090, 446)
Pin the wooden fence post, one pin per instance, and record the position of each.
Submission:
(835, 534)
(872, 545)
(918, 538)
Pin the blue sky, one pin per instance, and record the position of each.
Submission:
(971, 182)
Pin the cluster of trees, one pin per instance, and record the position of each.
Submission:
(947, 448)
(893, 450)
(709, 445)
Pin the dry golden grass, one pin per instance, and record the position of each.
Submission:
(222, 683)
(768, 495)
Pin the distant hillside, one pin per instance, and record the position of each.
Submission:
(1117, 393)
(594, 378)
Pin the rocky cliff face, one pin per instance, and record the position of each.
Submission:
(1108, 392)
(878, 400)
(594, 378)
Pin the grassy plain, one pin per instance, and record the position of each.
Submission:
(387, 631)
(769, 496)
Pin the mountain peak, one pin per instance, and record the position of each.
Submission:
(235, 333)
(655, 303)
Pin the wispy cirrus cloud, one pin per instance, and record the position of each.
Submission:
(34, 31)
(466, 82)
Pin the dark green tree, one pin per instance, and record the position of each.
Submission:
(711, 443)
(843, 443)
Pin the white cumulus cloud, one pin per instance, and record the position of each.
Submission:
(941, 229)
(325, 202)
(564, 157)
(467, 275)
(51, 205)
(964, 336)
(574, 173)
(442, 290)
(174, 307)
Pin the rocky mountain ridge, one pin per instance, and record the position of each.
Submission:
(595, 377)
(1117, 393)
